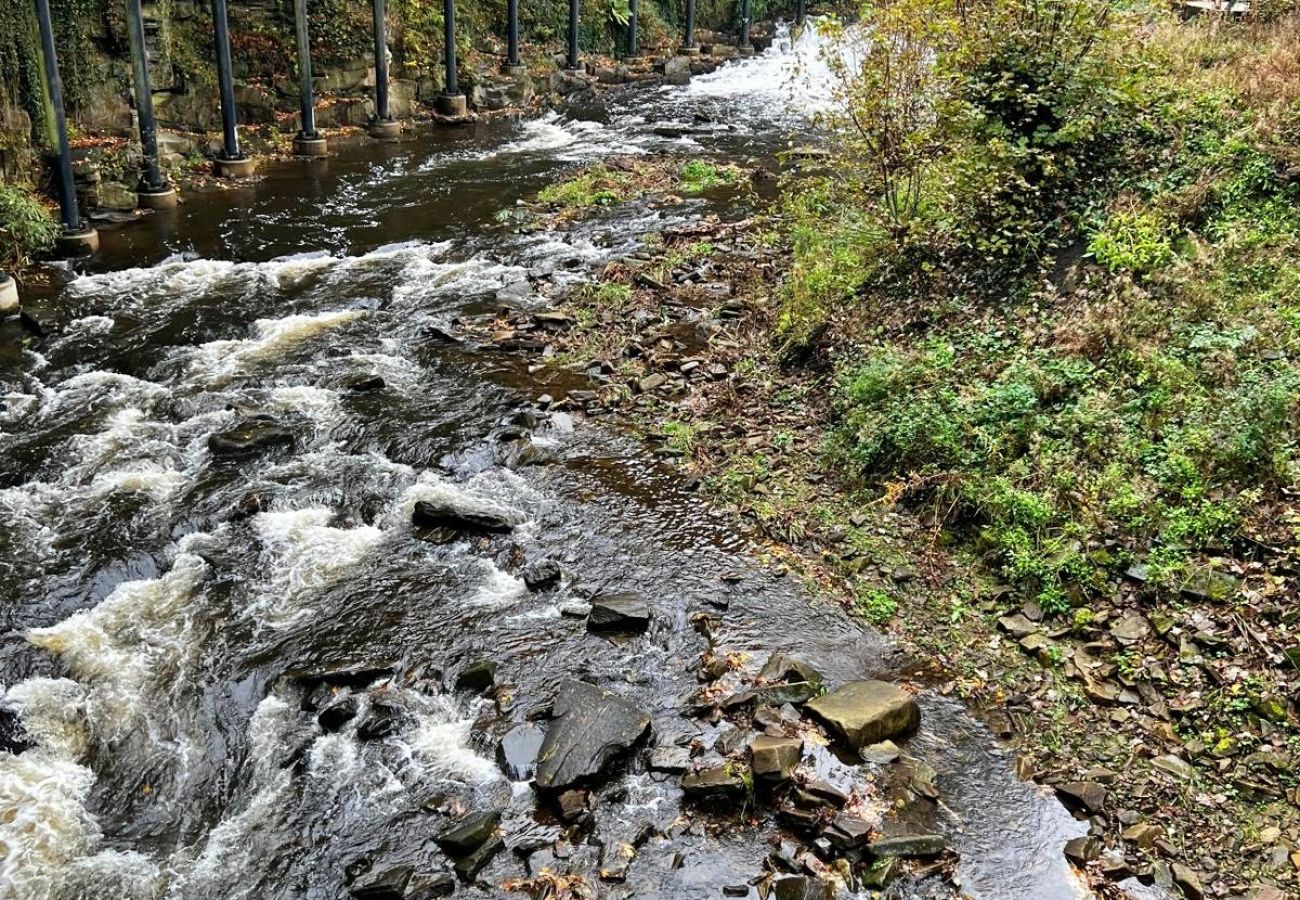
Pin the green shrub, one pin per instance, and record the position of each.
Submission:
(26, 227)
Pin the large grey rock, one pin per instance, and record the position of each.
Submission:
(867, 712)
(441, 514)
(619, 612)
(591, 729)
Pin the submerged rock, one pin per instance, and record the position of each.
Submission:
(591, 728)
(517, 752)
(867, 712)
(908, 845)
(619, 612)
(670, 759)
(250, 436)
(337, 714)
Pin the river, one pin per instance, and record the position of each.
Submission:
(161, 604)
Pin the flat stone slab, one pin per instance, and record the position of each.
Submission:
(619, 612)
(591, 728)
(867, 712)
(908, 845)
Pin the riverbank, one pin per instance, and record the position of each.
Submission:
(1112, 709)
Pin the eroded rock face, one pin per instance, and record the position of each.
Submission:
(591, 728)
(867, 712)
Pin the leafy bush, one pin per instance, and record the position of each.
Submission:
(26, 227)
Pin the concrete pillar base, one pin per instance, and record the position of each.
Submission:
(8, 295)
(164, 199)
(689, 51)
(385, 129)
(518, 71)
(577, 72)
(83, 242)
(453, 106)
(233, 168)
(310, 146)
(745, 52)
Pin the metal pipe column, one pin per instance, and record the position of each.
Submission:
(452, 89)
(69, 213)
(690, 26)
(573, 62)
(381, 63)
(632, 49)
(512, 33)
(151, 178)
(225, 82)
(744, 25)
(800, 13)
(307, 104)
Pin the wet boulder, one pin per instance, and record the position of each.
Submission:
(441, 514)
(802, 887)
(428, 885)
(783, 667)
(591, 728)
(337, 714)
(518, 750)
(380, 720)
(478, 676)
(775, 757)
(867, 712)
(719, 782)
(383, 884)
(541, 575)
(467, 834)
(670, 759)
(619, 612)
(249, 437)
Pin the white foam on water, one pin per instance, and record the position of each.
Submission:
(135, 638)
(179, 276)
(497, 588)
(302, 554)
(440, 745)
(227, 866)
(498, 493)
(218, 361)
(44, 824)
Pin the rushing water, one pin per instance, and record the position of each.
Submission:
(154, 612)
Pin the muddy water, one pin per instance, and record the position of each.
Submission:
(158, 601)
